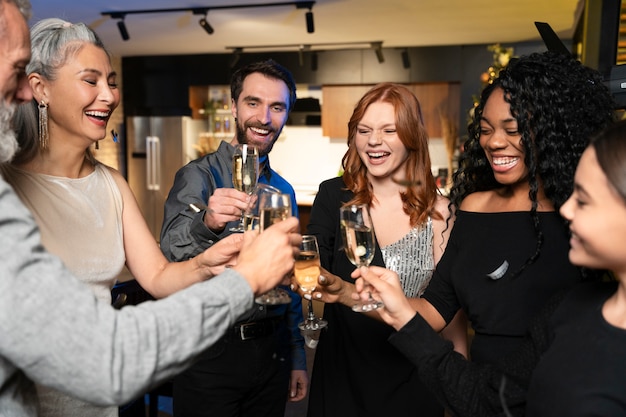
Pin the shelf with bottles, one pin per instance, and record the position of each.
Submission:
(221, 123)
(212, 103)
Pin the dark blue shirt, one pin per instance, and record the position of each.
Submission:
(184, 234)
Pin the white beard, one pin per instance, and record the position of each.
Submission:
(8, 139)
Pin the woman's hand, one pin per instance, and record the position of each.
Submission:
(330, 289)
(267, 257)
(222, 254)
(384, 285)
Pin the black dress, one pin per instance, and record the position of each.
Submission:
(571, 363)
(479, 272)
(356, 372)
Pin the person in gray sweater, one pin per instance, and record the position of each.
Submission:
(55, 332)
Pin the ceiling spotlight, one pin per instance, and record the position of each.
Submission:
(301, 51)
(378, 48)
(310, 25)
(122, 28)
(300, 4)
(236, 56)
(406, 62)
(206, 25)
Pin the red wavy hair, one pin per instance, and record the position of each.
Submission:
(418, 201)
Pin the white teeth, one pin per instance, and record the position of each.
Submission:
(97, 113)
(260, 131)
(377, 154)
(504, 161)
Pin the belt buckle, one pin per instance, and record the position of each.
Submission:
(242, 331)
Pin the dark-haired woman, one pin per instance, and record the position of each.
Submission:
(507, 253)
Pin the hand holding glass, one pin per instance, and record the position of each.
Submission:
(273, 208)
(252, 213)
(306, 273)
(245, 173)
(357, 231)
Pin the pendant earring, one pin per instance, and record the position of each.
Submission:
(97, 144)
(43, 126)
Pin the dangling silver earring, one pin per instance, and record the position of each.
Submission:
(43, 126)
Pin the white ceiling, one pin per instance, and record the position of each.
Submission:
(398, 23)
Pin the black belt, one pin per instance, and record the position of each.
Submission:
(254, 329)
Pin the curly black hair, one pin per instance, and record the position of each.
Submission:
(558, 104)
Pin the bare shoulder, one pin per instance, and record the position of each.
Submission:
(441, 205)
(476, 201)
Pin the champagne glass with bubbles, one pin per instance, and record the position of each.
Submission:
(273, 208)
(357, 232)
(245, 173)
(252, 213)
(306, 273)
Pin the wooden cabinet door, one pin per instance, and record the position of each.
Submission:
(436, 99)
(338, 103)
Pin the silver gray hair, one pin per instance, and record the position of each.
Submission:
(54, 42)
(8, 139)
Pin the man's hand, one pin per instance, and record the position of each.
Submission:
(265, 258)
(225, 205)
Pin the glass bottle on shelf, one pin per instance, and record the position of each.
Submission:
(217, 124)
(225, 104)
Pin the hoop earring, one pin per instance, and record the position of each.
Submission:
(43, 126)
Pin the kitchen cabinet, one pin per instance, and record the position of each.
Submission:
(437, 100)
(338, 103)
(212, 104)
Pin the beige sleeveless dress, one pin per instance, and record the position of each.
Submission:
(81, 222)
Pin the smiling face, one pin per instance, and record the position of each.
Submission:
(261, 111)
(14, 88)
(82, 96)
(378, 144)
(501, 141)
(14, 55)
(597, 216)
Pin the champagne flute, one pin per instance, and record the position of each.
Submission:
(357, 232)
(273, 208)
(245, 174)
(306, 274)
(252, 213)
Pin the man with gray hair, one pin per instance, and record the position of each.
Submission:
(56, 332)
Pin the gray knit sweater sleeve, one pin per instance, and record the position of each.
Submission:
(55, 332)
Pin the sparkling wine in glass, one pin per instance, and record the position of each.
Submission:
(245, 174)
(359, 242)
(252, 213)
(273, 208)
(306, 273)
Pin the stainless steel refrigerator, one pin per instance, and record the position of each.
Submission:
(157, 148)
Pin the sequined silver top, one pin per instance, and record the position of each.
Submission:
(412, 259)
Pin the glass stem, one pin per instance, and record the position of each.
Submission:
(311, 315)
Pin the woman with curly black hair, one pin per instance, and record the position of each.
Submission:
(507, 252)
